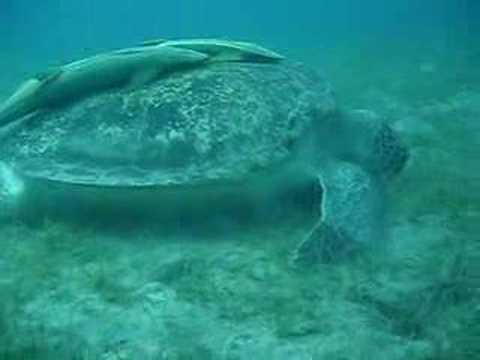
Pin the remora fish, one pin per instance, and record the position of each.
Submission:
(222, 50)
(126, 67)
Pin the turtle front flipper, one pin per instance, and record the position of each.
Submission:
(351, 215)
(323, 244)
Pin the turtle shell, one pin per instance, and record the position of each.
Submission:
(223, 121)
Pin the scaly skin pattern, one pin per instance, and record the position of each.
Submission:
(212, 123)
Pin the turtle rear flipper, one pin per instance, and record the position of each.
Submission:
(11, 189)
(352, 215)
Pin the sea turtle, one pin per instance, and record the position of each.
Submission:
(213, 135)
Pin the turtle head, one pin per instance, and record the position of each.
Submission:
(371, 142)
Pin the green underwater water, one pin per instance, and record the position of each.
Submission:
(69, 292)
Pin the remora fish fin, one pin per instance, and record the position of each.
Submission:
(221, 50)
(168, 59)
(187, 56)
(253, 52)
(48, 76)
(153, 42)
(129, 51)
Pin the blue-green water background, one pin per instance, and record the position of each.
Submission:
(53, 29)
(375, 37)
